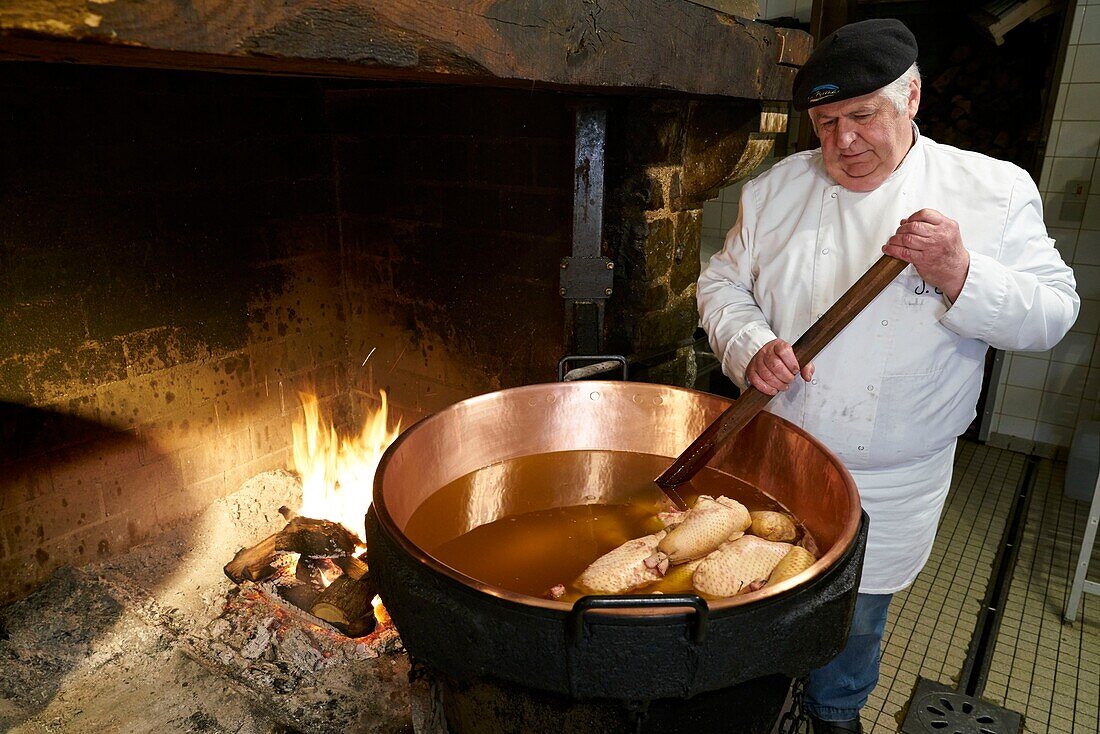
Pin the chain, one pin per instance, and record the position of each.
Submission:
(794, 719)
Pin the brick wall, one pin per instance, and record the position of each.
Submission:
(169, 277)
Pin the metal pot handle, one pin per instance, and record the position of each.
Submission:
(598, 364)
(581, 607)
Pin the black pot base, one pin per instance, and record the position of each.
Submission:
(490, 707)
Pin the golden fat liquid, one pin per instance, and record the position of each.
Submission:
(506, 525)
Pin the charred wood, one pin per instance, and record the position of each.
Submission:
(308, 537)
(301, 595)
(255, 563)
(353, 566)
(345, 604)
(316, 538)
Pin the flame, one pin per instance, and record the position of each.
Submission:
(338, 473)
(329, 571)
(381, 615)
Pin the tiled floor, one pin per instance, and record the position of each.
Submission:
(1045, 669)
(1042, 667)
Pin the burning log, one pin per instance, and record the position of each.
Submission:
(323, 548)
(302, 535)
(301, 595)
(255, 563)
(346, 603)
(316, 538)
(353, 566)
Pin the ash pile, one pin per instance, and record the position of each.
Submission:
(160, 640)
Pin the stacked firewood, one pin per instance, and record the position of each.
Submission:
(979, 102)
(313, 565)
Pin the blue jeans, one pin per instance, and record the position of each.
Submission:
(837, 691)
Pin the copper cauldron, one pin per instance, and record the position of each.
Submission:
(663, 647)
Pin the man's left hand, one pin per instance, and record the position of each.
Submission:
(932, 243)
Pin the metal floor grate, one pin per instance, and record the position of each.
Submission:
(939, 709)
(1042, 668)
(932, 622)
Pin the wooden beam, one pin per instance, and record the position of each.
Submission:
(741, 8)
(667, 45)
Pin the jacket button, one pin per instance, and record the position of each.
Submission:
(870, 388)
(885, 322)
(860, 448)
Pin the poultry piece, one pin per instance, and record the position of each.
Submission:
(622, 569)
(707, 525)
(738, 564)
(771, 525)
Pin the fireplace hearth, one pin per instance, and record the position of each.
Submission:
(158, 639)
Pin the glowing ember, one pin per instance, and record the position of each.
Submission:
(338, 473)
(380, 613)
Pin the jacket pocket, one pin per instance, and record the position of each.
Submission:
(921, 345)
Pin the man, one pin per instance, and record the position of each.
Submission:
(900, 383)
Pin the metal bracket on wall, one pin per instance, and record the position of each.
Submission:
(587, 278)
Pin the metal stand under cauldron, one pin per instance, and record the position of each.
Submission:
(503, 661)
(487, 707)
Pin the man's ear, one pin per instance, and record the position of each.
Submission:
(914, 98)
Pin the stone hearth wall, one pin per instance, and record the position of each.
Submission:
(666, 157)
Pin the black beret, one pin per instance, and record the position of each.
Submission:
(856, 59)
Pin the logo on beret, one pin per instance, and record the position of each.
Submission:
(822, 91)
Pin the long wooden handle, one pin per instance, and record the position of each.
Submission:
(752, 401)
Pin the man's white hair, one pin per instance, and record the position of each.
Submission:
(897, 91)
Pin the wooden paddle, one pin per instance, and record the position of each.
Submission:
(752, 401)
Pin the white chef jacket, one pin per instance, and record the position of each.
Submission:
(892, 392)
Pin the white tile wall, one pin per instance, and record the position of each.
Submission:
(1079, 138)
(1042, 396)
(1088, 321)
(1071, 382)
(1082, 102)
(1065, 378)
(1064, 239)
(1086, 64)
(1021, 402)
(1028, 372)
(1090, 28)
(1087, 248)
(1076, 165)
(786, 8)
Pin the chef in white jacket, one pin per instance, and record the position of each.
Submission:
(893, 391)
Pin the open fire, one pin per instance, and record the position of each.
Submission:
(316, 561)
(338, 473)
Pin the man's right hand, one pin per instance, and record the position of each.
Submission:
(773, 368)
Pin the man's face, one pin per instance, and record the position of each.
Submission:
(864, 139)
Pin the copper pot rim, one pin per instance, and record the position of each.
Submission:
(832, 556)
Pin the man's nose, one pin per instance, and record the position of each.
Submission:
(845, 136)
